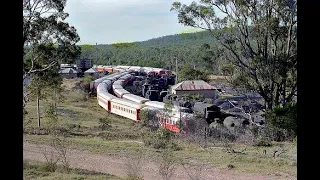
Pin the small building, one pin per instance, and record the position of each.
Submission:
(68, 73)
(92, 72)
(195, 87)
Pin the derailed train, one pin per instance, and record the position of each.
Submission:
(128, 105)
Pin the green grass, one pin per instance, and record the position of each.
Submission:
(36, 170)
(118, 139)
(85, 114)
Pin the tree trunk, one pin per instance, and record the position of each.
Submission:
(278, 90)
(284, 93)
(269, 103)
(55, 101)
(38, 108)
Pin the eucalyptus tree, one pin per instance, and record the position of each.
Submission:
(47, 39)
(260, 41)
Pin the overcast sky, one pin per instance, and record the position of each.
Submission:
(112, 21)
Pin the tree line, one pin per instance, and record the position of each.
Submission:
(196, 50)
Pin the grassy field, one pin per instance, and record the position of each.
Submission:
(37, 170)
(79, 119)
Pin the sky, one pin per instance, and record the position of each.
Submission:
(113, 21)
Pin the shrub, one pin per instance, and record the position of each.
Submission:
(144, 117)
(159, 139)
(262, 141)
(88, 79)
(285, 118)
(50, 167)
(50, 113)
(104, 123)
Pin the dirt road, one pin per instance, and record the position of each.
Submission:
(117, 166)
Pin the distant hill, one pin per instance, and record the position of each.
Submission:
(190, 39)
(189, 48)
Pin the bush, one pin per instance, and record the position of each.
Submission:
(285, 118)
(148, 119)
(222, 133)
(262, 141)
(50, 113)
(193, 97)
(88, 79)
(160, 139)
(145, 116)
(104, 123)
